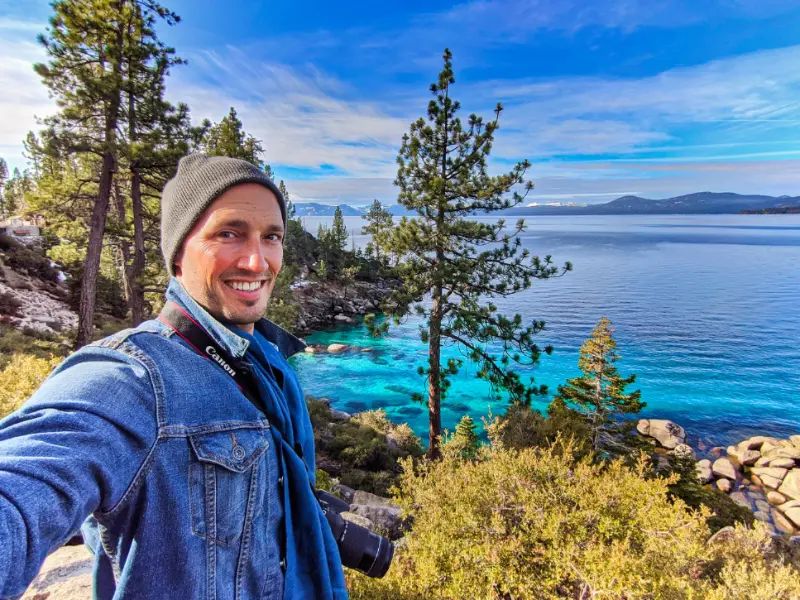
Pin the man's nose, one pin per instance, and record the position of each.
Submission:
(253, 259)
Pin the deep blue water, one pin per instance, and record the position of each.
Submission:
(706, 311)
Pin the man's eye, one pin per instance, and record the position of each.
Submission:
(275, 237)
(226, 235)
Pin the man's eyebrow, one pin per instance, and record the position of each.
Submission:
(242, 224)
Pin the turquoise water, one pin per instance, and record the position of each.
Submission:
(706, 310)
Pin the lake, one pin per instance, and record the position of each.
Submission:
(706, 310)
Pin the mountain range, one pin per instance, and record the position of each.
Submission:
(701, 203)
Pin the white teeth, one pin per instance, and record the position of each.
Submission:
(245, 286)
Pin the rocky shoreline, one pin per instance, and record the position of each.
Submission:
(323, 304)
(760, 473)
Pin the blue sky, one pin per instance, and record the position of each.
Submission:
(606, 98)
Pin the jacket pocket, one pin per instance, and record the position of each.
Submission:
(222, 482)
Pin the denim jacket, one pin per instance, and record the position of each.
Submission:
(175, 469)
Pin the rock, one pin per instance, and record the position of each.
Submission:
(776, 498)
(340, 415)
(770, 471)
(790, 504)
(782, 523)
(749, 457)
(723, 535)
(763, 461)
(381, 511)
(768, 447)
(337, 348)
(684, 450)
(344, 492)
(795, 439)
(666, 432)
(716, 451)
(358, 520)
(770, 481)
(781, 463)
(762, 506)
(741, 500)
(761, 516)
(793, 514)
(791, 485)
(325, 401)
(366, 350)
(368, 499)
(733, 452)
(754, 443)
(723, 467)
(311, 349)
(65, 575)
(704, 473)
(343, 319)
(792, 453)
(785, 443)
(724, 485)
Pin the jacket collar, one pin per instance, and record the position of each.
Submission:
(285, 342)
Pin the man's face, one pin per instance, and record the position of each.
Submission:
(230, 259)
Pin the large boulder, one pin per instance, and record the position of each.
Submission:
(784, 452)
(775, 498)
(795, 439)
(791, 485)
(771, 482)
(684, 451)
(771, 471)
(741, 500)
(724, 485)
(755, 442)
(337, 348)
(381, 511)
(781, 463)
(793, 514)
(723, 467)
(703, 468)
(782, 523)
(667, 433)
(749, 457)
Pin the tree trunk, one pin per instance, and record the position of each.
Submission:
(100, 211)
(98, 224)
(137, 266)
(434, 382)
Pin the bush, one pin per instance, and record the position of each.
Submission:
(363, 452)
(31, 342)
(538, 524)
(22, 376)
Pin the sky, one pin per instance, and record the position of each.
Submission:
(605, 98)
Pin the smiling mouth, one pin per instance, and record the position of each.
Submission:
(245, 286)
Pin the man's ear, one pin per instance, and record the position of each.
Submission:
(177, 263)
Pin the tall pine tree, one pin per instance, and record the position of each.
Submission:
(379, 221)
(599, 394)
(89, 46)
(460, 263)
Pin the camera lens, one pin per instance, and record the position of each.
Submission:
(359, 548)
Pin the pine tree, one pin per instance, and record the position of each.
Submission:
(599, 394)
(458, 262)
(90, 44)
(379, 221)
(465, 440)
(228, 138)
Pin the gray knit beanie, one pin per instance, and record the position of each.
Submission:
(199, 181)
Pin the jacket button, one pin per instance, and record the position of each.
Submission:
(283, 564)
(238, 452)
(280, 481)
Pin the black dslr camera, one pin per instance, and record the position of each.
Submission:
(360, 549)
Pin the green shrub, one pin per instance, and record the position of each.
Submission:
(37, 344)
(362, 452)
(538, 524)
(22, 376)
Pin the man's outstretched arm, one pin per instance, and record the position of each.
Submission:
(74, 448)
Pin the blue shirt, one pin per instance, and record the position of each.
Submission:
(191, 491)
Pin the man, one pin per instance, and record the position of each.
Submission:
(191, 489)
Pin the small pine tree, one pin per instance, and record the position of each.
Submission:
(379, 221)
(599, 394)
(465, 438)
(228, 138)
